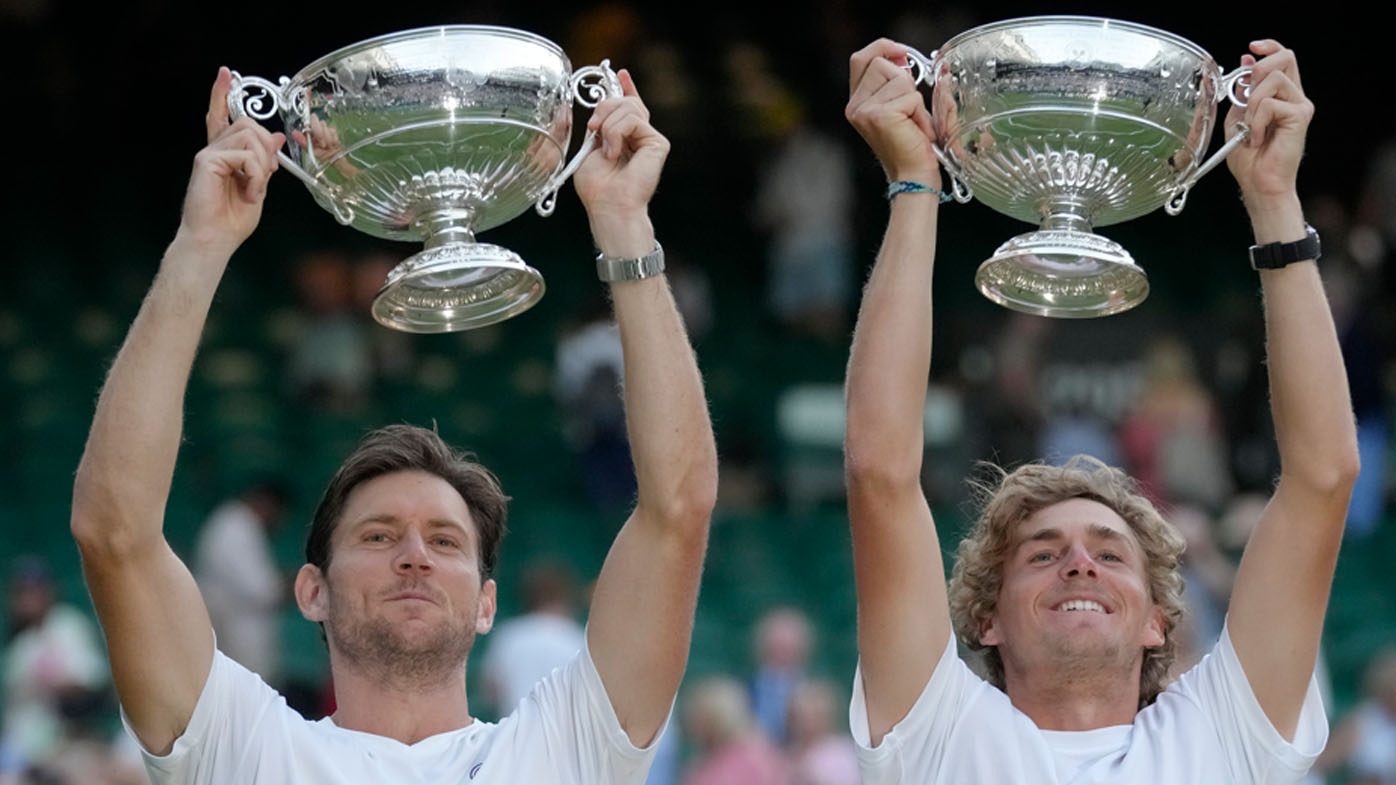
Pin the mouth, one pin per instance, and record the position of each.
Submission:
(1088, 606)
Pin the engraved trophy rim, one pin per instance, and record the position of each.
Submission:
(418, 33)
(1096, 22)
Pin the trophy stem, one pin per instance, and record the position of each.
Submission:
(445, 226)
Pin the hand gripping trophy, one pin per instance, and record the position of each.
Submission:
(1072, 123)
(433, 135)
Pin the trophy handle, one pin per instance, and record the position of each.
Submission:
(589, 87)
(242, 102)
(922, 70)
(1228, 88)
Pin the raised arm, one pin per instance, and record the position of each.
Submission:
(903, 615)
(156, 626)
(1282, 585)
(642, 610)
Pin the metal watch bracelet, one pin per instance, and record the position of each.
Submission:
(612, 269)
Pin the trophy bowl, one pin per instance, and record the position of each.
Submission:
(1071, 123)
(432, 135)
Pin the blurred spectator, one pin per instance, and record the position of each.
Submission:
(783, 640)
(1363, 325)
(390, 351)
(1172, 440)
(331, 364)
(589, 367)
(1207, 579)
(821, 753)
(1365, 742)
(732, 750)
(805, 200)
(54, 670)
(238, 576)
(526, 648)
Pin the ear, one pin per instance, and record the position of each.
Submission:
(312, 594)
(484, 620)
(1153, 631)
(988, 633)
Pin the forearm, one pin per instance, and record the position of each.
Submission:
(891, 354)
(124, 477)
(1310, 402)
(671, 438)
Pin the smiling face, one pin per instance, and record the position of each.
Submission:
(1075, 596)
(403, 593)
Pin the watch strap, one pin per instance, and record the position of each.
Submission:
(1273, 256)
(619, 268)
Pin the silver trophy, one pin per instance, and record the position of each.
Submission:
(432, 135)
(1072, 123)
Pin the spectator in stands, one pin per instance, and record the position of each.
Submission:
(1365, 742)
(331, 362)
(54, 675)
(524, 649)
(586, 381)
(820, 754)
(731, 748)
(241, 583)
(783, 639)
(805, 201)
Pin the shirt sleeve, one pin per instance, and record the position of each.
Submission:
(1255, 751)
(920, 737)
(220, 731)
(582, 730)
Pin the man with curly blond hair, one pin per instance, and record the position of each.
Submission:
(1069, 581)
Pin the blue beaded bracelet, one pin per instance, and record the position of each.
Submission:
(913, 187)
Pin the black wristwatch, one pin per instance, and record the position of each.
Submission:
(1273, 256)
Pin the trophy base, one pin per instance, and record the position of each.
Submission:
(456, 286)
(1063, 273)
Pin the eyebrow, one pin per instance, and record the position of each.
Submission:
(393, 520)
(1096, 530)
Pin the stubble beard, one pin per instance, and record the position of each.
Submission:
(377, 647)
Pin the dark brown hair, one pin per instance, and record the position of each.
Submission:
(396, 448)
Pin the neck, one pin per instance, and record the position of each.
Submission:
(1075, 698)
(408, 710)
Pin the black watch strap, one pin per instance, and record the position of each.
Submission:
(1272, 256)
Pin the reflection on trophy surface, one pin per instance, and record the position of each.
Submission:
(1071, 123)
(433, 135)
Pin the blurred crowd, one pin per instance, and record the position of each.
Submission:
(1177, 400)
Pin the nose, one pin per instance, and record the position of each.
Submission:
(1078, 563)
(413, 555)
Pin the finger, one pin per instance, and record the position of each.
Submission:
(877, 78)
(861, 60)
(613, 107)
(1281, 61)
(627, 84)
(1272, 114)
(619, 134)
(1276, 86)
(217, 118)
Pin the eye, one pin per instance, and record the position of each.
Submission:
(1109, 556)
(375, 537)
(445, 542)
(1040, 556)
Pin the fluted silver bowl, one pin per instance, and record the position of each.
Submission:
(1072, 123)
(432, 135)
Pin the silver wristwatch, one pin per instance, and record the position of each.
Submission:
(613, 268)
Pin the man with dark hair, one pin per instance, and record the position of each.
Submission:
(1069, 579)
(403, 545)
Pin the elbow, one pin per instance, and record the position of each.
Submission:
(688, 506)
(1334, 475)
(97, 525)
(872, 471)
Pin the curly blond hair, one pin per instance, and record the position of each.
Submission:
(1010, 498)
